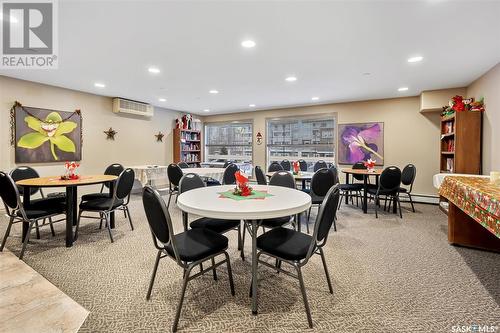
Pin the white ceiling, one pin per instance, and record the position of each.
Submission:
(327, 45)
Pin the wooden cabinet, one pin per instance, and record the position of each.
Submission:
(460, 150)
(187, 146)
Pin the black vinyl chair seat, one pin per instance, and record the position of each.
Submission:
(196, 244)
(93, 196)
(42, 203)
(213, 182)
(403, 189)
(373, 191)
(285, 243)
(100, 204)
(216, 225)
(277, 222)
(351, 187)
(40, 212)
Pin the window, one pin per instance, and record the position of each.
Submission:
(228, 142)
(307, 138)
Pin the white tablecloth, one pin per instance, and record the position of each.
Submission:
(147, 173)
(215, 173)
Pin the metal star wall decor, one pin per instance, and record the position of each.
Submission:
(110, 134)
(159, 136)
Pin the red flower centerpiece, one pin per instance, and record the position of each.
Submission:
(242, 187)
(296, 167)
(70, 173)
(370, 165)
(458, 103)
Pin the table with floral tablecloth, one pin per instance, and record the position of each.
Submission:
(477, 197)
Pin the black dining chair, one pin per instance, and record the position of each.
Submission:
(183, 165)
(284, 179)
(321, 182)
(188, 249)
(320, 165)
(407, 179)
(192, 181)
(26, 172)
(296, 248)
(275, 166)
(355, 187)
(174, 173)
(17, 213)
(227, 163)
(303, 165)
(261, 177)
(286, 165)
(388, 187)
(114, 169)
(228, 177)
(105, 206)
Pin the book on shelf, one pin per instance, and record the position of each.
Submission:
(449, 164)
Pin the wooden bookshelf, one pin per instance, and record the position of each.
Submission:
(187, 146)
(460, 144)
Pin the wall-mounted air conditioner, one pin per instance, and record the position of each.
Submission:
(121, 105)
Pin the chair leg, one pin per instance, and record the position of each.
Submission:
(242, 254)
(322, 254)
(376, 207)
(214, 270)
(239, 236)
(169, 198)
(100, 223)
(304, 295)
(181, 300)
(229, 273)
(26, 239)
(125, 211)
(152, 281)
(108, 225)
(309, 213)
(51, 227)
(37, 228)
(411, 202)
(78, 224)
(335, 223)
(399, 205)
(7, 233)
(307, 220)
(127, 214)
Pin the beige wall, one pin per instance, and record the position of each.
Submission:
(410, 136)
(488, 86)
(135, 143)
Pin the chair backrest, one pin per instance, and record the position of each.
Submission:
(114, 169)
(159, 219)
(261, 177)
(326, 215)
(226, 163)
(124, 183)
(174, 173)
(335, 173)
(229, 177)
(285, 164)
(390, 179)
(9, 192)
(408, 175)
(303, 165)
(190, 181)
(24, 172)
(359, 166)
(282, 178)
(275, 166)
(320, 165)
(183, 165)
(322, 181)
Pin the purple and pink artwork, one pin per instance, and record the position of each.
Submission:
(361, 141)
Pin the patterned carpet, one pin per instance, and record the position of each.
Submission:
(389, 275)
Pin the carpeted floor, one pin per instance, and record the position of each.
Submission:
(389, 275)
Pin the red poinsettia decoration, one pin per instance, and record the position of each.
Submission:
(242, 187)
(70, 170)
(296, 167)
(458, 103)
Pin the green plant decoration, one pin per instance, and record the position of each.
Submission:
(52, 129)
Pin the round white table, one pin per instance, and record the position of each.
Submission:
(283, 201)
(215, 173)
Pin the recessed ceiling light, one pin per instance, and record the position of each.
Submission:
(291, 79)
(403, 89)
(415, 59)
(315, 98)
(154, 70)
(99, 85)
(206, 110)
(162, 99)
(213, 91)
(366, 73)
(248, 43)
(251, 105)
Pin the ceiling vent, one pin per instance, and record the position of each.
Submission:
(121, 105)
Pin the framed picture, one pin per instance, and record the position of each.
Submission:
(361, 141)
(42, 135)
